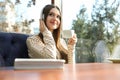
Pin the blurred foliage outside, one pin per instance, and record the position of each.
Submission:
(103, 25)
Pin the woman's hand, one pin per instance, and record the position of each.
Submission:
(42, 26)
(73, 40)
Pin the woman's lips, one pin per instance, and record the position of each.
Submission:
(53, 23)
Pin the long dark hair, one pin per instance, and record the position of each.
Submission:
(56, 32)
(45, 12)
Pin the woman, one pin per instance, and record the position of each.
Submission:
(48, 43)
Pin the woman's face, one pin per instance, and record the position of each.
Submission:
(53, 19)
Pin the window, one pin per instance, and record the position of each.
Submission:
(96, 23)
(21, 15)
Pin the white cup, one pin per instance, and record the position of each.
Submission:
(67, 33)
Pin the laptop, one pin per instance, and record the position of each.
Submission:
(30, 63)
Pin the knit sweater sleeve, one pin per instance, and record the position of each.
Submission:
(70, 51)
(38, 49)
(71, 54)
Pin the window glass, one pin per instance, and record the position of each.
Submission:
(97, 25)
(21, 15)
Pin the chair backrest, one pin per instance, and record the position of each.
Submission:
(1, 61)
(12, 45)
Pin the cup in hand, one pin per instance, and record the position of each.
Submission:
(67, 33)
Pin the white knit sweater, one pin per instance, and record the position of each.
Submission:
(38, 49)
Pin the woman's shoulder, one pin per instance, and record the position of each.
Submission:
(33, 37)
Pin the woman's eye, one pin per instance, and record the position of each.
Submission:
(51, 14)
(59, 16)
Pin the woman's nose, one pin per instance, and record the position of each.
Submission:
(55, 17)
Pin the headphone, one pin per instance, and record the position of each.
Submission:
(43, 17)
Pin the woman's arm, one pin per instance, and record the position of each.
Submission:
(38, 49)
(71, 53)
(69, 50)
(71, 47)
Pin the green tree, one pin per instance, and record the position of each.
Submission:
(104, 19)
(104, 24)
(81, 25)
